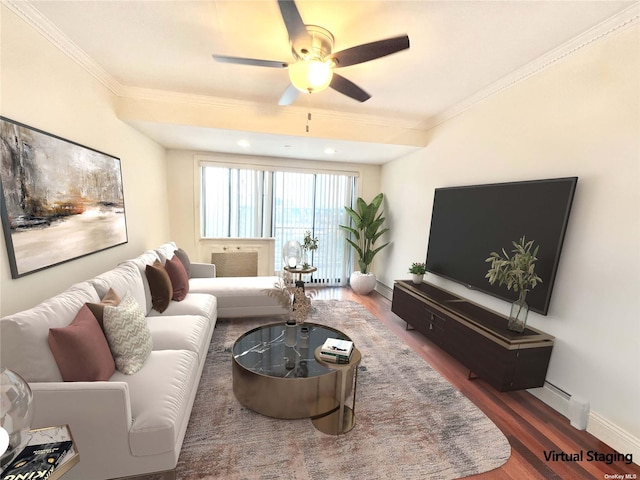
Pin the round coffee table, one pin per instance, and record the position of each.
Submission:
(285, 382)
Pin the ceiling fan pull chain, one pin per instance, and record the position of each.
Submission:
(308, 121)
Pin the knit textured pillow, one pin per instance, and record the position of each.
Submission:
(128, 335)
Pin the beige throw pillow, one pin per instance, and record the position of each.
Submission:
(128, 335)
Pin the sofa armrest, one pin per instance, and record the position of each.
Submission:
(99, 416)
(203, 270)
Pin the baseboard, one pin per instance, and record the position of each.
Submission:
(601, 428)
(617, 438)
(385, 291)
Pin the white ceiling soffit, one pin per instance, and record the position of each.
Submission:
(158, 54)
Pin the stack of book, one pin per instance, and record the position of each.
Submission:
(336, 351)
(37, 461)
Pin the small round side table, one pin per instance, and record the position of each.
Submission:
(343, 419)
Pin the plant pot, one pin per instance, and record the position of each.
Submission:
(416, 278)
(362, 283)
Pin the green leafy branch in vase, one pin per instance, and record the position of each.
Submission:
(309, 244)
(516, 271)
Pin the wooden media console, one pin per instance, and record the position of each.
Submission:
(475, 336)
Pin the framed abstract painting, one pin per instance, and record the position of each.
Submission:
(60, 200)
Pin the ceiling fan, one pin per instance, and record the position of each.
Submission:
(315, 61)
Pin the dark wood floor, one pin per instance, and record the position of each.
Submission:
(530, 425)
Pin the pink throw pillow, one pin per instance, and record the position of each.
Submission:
(81, 349)
(179, 278)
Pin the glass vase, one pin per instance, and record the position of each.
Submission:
(519, 312)
(290, 332)
(16, 408)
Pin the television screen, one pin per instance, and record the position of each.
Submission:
(470, 222)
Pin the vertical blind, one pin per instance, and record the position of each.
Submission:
(284, 205)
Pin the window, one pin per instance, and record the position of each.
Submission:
(283, 205)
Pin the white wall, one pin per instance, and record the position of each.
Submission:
(183, 190)
(41, 87)
(579, 117)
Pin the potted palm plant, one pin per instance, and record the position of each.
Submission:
(367, 226)
(518, 272)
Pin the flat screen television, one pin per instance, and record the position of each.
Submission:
(470, 222)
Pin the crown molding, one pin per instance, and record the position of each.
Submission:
(27, 12)
(621, 21)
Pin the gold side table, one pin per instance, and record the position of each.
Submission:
(343, 419)
(301, 271)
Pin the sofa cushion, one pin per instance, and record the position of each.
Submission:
(110, 298)
(181, 332)
(184, 258)
(159, 285)
(24, 335)
(193, 304)
(128, 335)
(166, 251)
(141, 262)
(161, 398)
(81, 350)
(124, 278)
(179, 278)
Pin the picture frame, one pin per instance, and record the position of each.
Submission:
(60, 200)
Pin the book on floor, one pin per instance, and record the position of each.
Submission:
(37, 461)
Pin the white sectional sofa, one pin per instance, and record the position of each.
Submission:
(129, 424)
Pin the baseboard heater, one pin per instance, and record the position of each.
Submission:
(235, 264)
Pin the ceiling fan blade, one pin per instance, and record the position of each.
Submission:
(370, 51)
(289, 96)
(250, 61)
(292, 20)
(348, 88)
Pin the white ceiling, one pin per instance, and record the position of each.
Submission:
(459, 50)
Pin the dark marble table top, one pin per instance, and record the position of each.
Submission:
(263, 350)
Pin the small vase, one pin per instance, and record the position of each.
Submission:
(519, 312)
(290, 333)
(416, 278)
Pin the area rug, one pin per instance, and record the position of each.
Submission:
(410, 422)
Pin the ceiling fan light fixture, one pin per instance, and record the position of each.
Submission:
(310, 76)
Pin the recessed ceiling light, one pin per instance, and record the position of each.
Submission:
(330, 151)
(244, 143)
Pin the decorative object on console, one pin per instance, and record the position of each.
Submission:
(367, 229)
(16, 409)
(417, 270)
(310, 245)
(518, 272)
(60, 200)
(292, 254)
